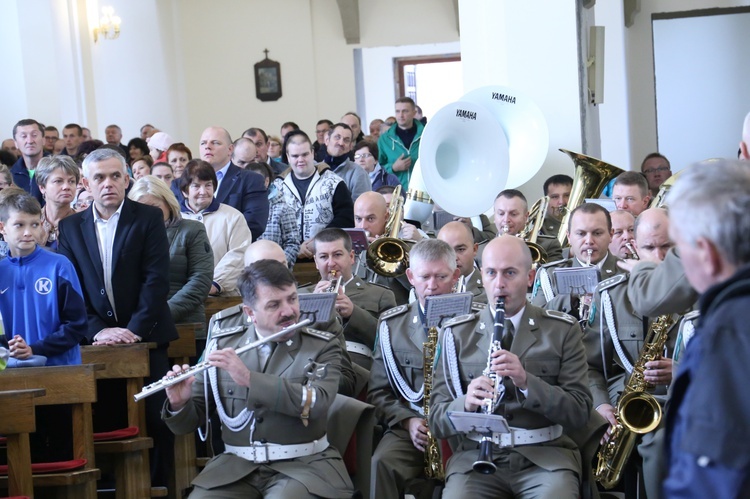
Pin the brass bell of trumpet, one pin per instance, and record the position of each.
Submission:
(388, 255)
(530, 231)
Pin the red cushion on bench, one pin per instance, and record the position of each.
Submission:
(130, 431)
(54, 467)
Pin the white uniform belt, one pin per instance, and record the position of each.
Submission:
(416, 408)
(360, 348)
(518, 436)
(264, 453)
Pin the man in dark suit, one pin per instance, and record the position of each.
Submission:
(120, 252)
(241, 189)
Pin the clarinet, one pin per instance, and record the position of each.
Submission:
(484, 464)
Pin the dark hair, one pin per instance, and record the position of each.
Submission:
(292, 124)
(50, 128)
(74, 125)
(18, 200)
(327, 122)
(655, 155)
(146, 159)
(263, 272)
(89, 146)
(7, 158)
(339, 125)
(197, 169)
(180, 147)
(252, 132)
(406, 100)
(591, 209)
(386, 189)
(27, 122)
(144, 126)
(331, 235)
(558, 179)
(296, 133)
(371, 145)
(512, 193)
(114, 126)
(633, 178)
(139, 143)
(262, 168)
(162, 163)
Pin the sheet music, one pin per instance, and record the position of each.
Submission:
(440, 308)
(577, 280)
(317, 307)
(466, 422)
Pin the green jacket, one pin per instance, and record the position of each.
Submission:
(391, 148)
(191, 268)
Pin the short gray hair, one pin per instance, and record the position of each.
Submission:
(100, 155)
(430, 250)
(711, 199)
(49, 164)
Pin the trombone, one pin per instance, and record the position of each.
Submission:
(388, 255)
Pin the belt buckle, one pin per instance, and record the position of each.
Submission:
(260, 453)
(511, 443)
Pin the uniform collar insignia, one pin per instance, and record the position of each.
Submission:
(481, 325)
(289, 342)
(414, 319)
(531, 322)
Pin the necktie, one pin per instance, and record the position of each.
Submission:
(507, 340)
(219, 176)
(264, 353)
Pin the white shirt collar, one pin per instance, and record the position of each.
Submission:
(600, 264)
(98, 218)
(515, 320)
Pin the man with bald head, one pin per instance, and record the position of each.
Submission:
(460, 237)
(652, 235)
(244, 152)
(264, 250)
(541, 364)
(241, 189)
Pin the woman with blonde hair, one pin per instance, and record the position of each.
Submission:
(191, 261)
(57, 178)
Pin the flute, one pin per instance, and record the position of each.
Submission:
(166, 381)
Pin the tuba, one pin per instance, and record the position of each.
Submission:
(388, 255)
(530, 232)
(637, 412)
(661, 197)
(591, 177)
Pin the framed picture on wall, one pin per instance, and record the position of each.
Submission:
(267, 79)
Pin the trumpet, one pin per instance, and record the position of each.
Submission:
(202, 366)
(633, 252)
(334, 278)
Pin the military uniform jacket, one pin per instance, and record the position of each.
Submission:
(551, 226)
(369, 300)
(407, 336)
(275, 396)
(233, 317)
(475, 287)
(607, 373)
(551, 246)
(661, 289)
(549, 346)
(562, 303)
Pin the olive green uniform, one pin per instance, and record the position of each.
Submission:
(549, 347)
(275, 398)
(656, 289)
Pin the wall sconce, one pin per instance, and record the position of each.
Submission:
(109, 25)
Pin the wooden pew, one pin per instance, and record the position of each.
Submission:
(74, 385)
(129, 455)
(215, 304)
(305, 272)
(17, 420)
(180, 351)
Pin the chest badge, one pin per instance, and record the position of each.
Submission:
(414, 319)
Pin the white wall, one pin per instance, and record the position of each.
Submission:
(640, 68)
(701, 85)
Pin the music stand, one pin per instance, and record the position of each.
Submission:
(359, 239)
(442, 307)
(577, 280)
(318, 307)
(486, 424)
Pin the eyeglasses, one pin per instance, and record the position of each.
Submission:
(365, 155)
(651, 171)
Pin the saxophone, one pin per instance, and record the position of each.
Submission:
(637, 412)
(433, 459)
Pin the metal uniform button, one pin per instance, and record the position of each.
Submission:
(259, 420)
(703, 461)
(544, 370)
(103, 292)
(471, 375)
(632, 335)
(230, 391)
(263, 441)
(408, 362)
(509, 417)
(109, 314)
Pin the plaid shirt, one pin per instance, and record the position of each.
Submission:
(282, 225)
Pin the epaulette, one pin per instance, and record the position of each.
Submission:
(554, 314)
(394, 312)
(545, 236)
(227, 312)
(477, 306)
(459, 320)
(556, 263)
(692, 315)
(220, 333)
(612, 281)
(323, 335)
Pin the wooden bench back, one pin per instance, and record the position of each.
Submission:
(119, 361)
(63, 384)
